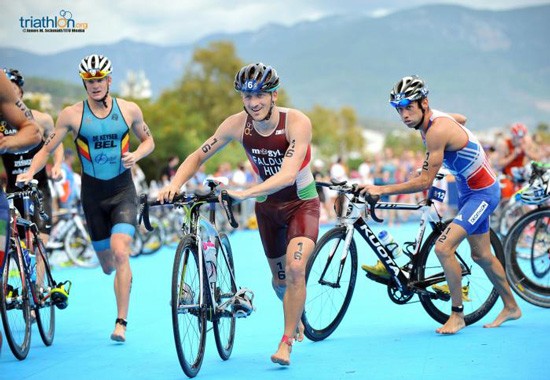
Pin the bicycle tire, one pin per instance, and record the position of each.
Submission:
(189, 323)
(481, 292)
(528, 262)
(224, 326)
(510, 214)
(137, 244)
(45, 310)
(79, 249)
(326, 305)
(153, 240)
(16, 314)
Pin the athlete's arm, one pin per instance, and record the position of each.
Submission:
(141, 130)
(15, 112)
(62, 127)
(226, 132)
(45, 121)
(504, 155)
(299, 135)
(460, 119)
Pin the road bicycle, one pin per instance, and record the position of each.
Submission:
(527, 246)
(332, 268)
(204, 288)
(69, 234)
(29, 291)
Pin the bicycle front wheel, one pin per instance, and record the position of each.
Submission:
(188, 318)
(330, 275)
(44, 309)
(14, 306)
(527, 251)
(224, 321)
(479, 294)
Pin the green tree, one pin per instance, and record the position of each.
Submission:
(401, 141)
(336, 132)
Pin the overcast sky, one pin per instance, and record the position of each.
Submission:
(172, 22)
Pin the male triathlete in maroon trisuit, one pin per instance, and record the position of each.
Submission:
(277, 142)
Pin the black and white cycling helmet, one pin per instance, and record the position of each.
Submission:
(15, 76)
(95, 66)
(257, 77)
(538, 190)
(407, 90)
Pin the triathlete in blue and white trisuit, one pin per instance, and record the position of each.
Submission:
(450, 144)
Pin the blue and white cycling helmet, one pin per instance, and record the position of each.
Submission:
(15, 76)
(257, 77)
(407, 90)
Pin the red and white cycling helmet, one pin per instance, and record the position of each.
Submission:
(518, 130)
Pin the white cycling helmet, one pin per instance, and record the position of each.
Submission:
(95, 66)
(242, 303)
(538, 190)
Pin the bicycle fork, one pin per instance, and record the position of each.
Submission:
(347, 243)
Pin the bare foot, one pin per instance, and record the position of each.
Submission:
(454, 324)
(282, 356)
(119, 335)
(505, 315)
(299, 336)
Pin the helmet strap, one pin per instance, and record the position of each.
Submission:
(268, 116)
(417, 126)
(104, 100)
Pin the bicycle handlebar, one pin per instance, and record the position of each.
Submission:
(345, 188)
(225, 200)
(32, 191)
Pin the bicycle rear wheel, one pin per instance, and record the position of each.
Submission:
(14, 306)
(224, 324)
(330, 277)
(479, 294)
(79, 249)
(188, 318)
(527, 251)
(44, 309)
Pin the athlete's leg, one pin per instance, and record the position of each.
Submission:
(121, 245)
(298, 252)
(482, 255)
(445, 248)
(278, 281)
(105, 255)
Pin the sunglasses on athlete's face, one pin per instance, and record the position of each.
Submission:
(400, 103)
(96, 75)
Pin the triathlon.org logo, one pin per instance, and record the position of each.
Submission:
(64, 23)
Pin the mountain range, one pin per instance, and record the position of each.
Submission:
(493, 66)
